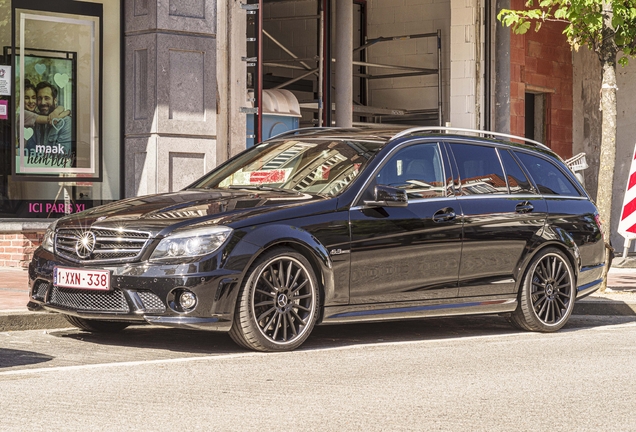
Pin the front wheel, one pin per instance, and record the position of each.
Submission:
(547, 294)
(278, 304)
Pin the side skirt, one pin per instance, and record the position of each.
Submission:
(433, 308)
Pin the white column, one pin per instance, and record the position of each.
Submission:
(465, 81)
(344, 63)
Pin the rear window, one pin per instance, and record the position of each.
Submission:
(479, 169)
(548, 177)
(517, 181)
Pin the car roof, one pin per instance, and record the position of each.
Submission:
(391, 133)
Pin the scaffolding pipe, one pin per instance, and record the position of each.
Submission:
(293, 80)
(321, 42)
(290, 18)
(284, 48)
(344, 63)
(259, 73)
(440, 112)
(387, 66)
(372, 42)
(284, 66)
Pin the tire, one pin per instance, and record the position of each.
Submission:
(277, 305)
(96, 326)
(547, 294)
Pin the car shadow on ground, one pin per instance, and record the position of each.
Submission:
(12, 357)
(323, 337)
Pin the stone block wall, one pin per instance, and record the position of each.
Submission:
(388, 18)
(171, 93)
(466, 92)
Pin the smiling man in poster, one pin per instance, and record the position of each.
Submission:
(55, 137)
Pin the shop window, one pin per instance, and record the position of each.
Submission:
(56, 159)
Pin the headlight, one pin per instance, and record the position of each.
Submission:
(49, 238)
(192, 243)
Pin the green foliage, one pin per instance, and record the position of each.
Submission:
(587, 23)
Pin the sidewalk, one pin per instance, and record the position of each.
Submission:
(618, 299)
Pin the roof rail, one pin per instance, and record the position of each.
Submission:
(474, 131)
(305, 129)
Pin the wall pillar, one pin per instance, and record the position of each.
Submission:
(502, 73)
(344, 63)
(171, 93)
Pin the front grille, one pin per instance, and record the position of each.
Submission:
(39, 289)
(100, 301)
(152, 302)
(111, 245)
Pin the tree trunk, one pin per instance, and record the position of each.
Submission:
(608, 154)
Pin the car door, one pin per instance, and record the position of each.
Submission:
(503, 216)
(407, 253)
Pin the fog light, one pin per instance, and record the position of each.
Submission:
(187, 300)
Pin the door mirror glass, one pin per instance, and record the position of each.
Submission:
(387, 196)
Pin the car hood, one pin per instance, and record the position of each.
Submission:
(164, 212)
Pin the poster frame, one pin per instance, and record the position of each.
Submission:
(64, 8)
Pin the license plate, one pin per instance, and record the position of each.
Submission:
(81, 278)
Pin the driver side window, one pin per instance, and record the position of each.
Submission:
(417, 169)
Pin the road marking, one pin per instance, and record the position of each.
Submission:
(129, 364)
(244, 355)
(562, 333)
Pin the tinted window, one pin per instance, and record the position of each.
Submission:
(417, 169)
(517, 180)
(547, 176)
(479, 169)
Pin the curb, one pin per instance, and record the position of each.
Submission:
(604, 307)
(25, 320)
(16, 321)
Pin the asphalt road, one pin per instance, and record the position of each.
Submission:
(439, 374)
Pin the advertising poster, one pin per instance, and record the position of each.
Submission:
(46, 127)
(5, 80)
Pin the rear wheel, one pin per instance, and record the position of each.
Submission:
(547, 294)
(278, 304)
(96, 326)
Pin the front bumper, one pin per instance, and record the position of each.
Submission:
(140, 292)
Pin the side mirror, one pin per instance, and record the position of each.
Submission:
(387, 196)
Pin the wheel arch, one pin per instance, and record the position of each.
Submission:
(266, 238)
(571, 253)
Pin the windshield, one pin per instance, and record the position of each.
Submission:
(316, 166)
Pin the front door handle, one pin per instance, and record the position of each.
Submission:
(524, 207)
(444, 215)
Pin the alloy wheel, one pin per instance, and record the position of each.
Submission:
(283, 300)
(552, 289)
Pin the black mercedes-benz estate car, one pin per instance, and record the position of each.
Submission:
(326, 226)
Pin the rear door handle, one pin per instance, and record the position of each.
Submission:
(524, 207)
(444, 215)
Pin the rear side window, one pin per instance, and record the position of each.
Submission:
(479, 169)
(517, 181)
(547, 176)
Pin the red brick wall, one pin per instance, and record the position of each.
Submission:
(543, 59)
(16, 250)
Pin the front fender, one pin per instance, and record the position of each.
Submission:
(256, 240)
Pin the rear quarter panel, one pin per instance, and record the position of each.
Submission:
(572, 221)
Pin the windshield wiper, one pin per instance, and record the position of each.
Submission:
(264, 188)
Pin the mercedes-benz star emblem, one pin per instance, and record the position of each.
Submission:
(85, 245)
(282, 300)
